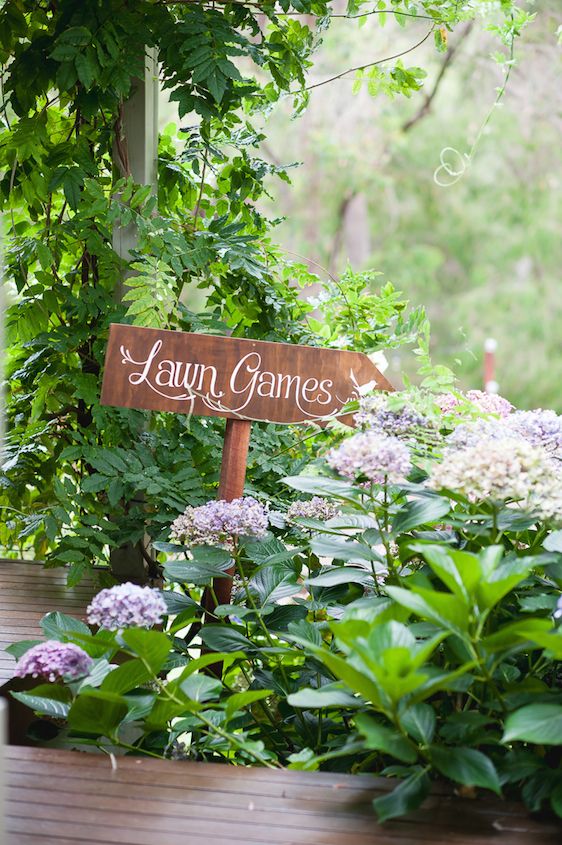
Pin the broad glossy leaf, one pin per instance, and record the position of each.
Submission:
(47, 700)
(201, 688)
(419, 722)
(225, 638)
(445, 610)
(177, 602)
(18, 649)
(384, 739)
(514, 634)
(240, 700)
(466, 766)
(271, 584)
(197, 571)
(127, 676)
(99, 671)
(459, 571)
(340, 575)
(490, 591)
(537, 723)
(96, 712)
(151, 646)
(420, 512)
(319, 485)
(170, 548)
(349, 550)
(342, 669)
(406, 797)
(326, 696)
(553, 542)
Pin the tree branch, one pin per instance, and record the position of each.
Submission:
(426, 105)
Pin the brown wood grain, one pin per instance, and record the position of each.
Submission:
(27, 592)
(231, 486)
(231, 377)
(64, 798)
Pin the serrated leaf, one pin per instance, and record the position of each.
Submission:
(59, 626)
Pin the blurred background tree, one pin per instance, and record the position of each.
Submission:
(483, 254)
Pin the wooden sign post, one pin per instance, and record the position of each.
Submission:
(239, 379)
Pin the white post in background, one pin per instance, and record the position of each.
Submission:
(135, 154)
(490, 383)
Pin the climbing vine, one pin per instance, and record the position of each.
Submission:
(79, 478)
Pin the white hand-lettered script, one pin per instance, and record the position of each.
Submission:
(184, 381)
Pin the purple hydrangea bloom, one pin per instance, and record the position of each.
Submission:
(315, 508)
(375, 415)
(218, 522)
(376, 456)
(126, 606)
(54, 660)
(540, 428)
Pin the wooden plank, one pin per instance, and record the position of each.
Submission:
(27, 592)
(292, 806)
(231, 377)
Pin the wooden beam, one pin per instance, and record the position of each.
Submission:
(136, 155)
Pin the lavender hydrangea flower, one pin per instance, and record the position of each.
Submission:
(375, 415)
(373, 455)
(473, 432)
(315, 508)
(53, 660)
(126, 606)
(537, 428)
(540, 428)
(218, 522)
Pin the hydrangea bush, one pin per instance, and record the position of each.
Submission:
(402, 618)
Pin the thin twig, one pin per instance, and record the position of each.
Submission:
(369, 64)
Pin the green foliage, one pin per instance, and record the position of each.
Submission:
(413, 636)
(80, 479)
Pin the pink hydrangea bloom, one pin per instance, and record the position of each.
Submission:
(126, 606)
(53, 660)
(373, 455)
(217, 522)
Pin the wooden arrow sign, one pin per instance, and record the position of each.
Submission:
(232, 377)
